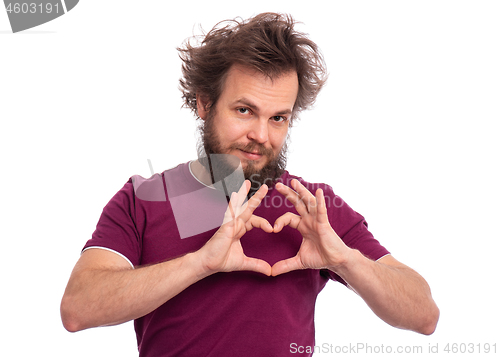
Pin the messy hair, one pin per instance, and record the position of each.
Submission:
(267, 43)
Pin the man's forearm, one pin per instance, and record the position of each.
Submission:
(104, 290)
(395, 293)
(99, 297)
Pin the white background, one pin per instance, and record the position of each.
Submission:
(406, 131)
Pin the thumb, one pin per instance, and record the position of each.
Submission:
(257, 265)
(287, 265)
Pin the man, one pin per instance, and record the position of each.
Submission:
(248, 286)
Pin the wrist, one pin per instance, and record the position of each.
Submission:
(192, 264)
(346, 261)
(196, 264)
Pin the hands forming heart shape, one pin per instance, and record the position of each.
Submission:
(321, 247)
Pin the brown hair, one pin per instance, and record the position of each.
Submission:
(267, 43)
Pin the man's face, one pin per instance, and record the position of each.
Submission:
(251, 118)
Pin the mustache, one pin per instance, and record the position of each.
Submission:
(254, 148)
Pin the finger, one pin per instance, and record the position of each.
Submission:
(257, 265)
(259, 222)
(229, 215)
(249, 207)
(287, 265)
(321, 210)
(287, 219)
(305, 195)
(257, 198)
(293, 197)
(242, 193)
(234, 206)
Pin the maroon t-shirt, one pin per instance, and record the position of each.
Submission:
(226, 314)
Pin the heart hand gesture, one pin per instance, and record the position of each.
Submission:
(223, 252)
(321, 247)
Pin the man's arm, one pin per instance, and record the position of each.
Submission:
(105, 290)
(396, 293)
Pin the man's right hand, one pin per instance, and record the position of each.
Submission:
(102, 278)
(223, 252)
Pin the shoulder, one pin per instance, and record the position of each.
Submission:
(154, 188)
(148, 189)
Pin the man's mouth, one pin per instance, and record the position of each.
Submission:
(253, 155)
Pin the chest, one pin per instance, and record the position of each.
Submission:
(170, 229)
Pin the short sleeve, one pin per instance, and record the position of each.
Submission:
(116, 229)
(352, 228)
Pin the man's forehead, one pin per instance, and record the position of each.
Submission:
(245, 84)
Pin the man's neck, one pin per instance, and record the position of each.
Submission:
(200, 173)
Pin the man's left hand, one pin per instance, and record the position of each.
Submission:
(321, 247)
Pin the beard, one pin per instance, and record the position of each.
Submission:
(227, 164)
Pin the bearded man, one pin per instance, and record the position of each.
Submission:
(246, 285)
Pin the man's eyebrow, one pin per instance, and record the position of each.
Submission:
(247, 103)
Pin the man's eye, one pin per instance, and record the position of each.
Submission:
(243, 110)
(279, 119)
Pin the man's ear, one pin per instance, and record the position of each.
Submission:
(202, 105)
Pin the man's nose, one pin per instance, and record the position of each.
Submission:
(259, 131)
